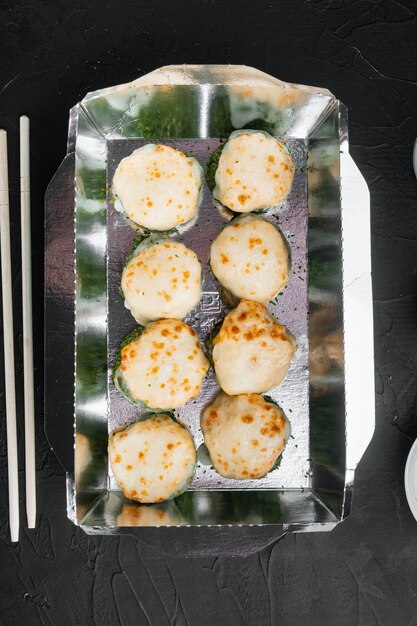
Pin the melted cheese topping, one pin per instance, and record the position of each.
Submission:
(244, 435)
(162, 280)
(152, 460)
(255, 171)
(166, 366)
(158, 187)
(252, 352)
(250, 259)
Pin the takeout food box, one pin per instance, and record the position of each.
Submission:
(329, 392)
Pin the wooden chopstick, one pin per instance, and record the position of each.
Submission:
(30, 461)
(6, 281)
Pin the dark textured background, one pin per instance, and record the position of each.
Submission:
(364, 51)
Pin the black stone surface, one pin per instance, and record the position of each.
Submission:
(364, 51)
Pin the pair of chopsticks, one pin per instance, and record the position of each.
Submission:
(9, 369)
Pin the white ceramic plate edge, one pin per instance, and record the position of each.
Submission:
(410, 479)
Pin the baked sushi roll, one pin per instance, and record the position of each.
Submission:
(252, 171)
(244, 435)
(161, 279)
(158, 187)
(153, 459)
(161, 366)
(250, 259)
(251, 352)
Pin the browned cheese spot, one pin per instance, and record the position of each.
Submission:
(254, 241)
(247, 419)
(276, 333)
(242, 198)
(212, 415)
